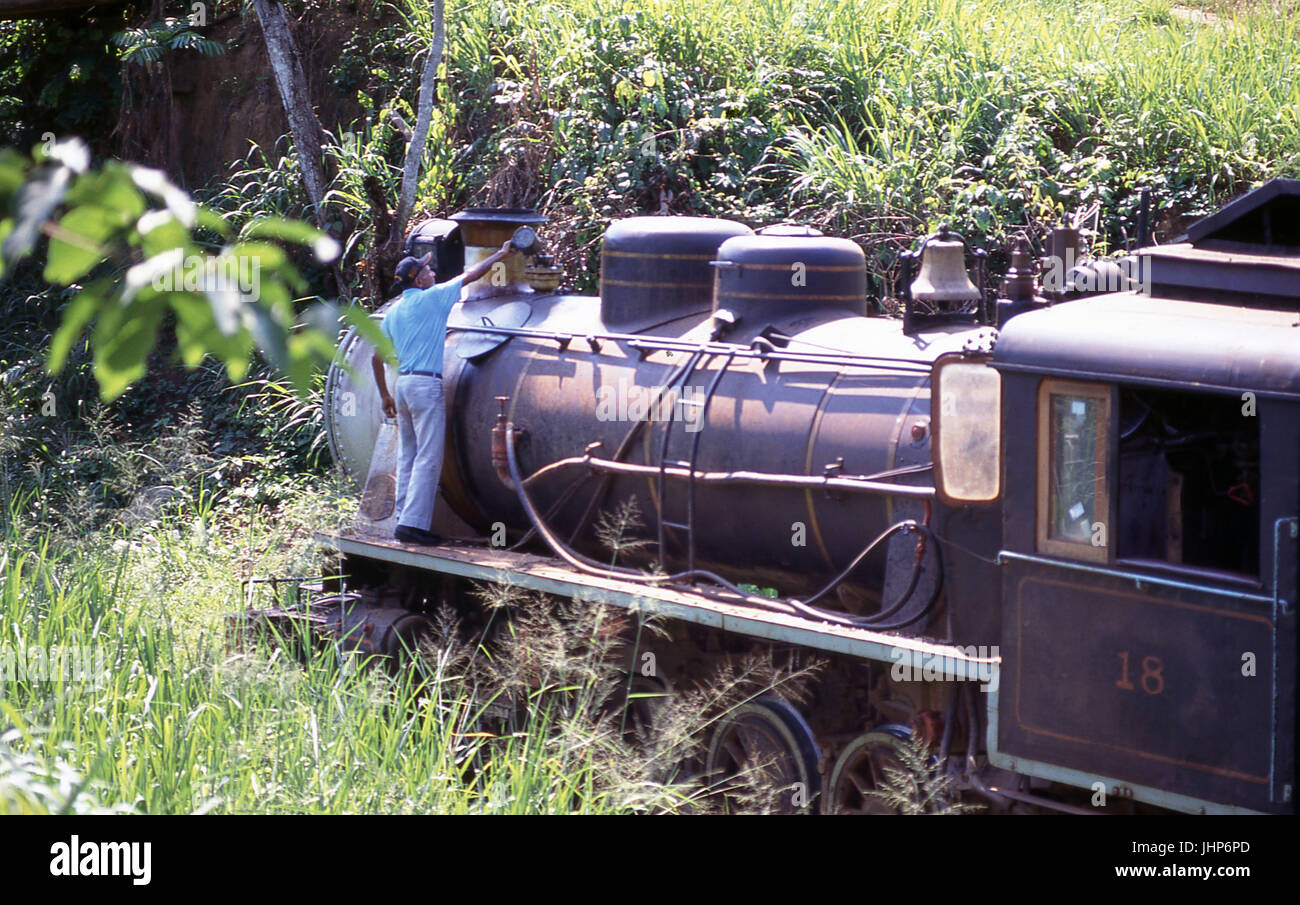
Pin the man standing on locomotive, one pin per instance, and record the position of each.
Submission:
(417, 326)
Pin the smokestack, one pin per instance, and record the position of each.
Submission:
(485, 230)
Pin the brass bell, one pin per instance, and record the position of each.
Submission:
(943, 283)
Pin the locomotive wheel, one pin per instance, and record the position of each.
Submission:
(764, 757)
(860, 771)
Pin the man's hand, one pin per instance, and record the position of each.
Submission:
(387, 402)
(481, 268)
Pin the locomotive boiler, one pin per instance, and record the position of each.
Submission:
(1054, 537)
(665, 374)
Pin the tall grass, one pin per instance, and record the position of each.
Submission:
(183, 719)
(179, 722)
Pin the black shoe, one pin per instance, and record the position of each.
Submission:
(409, 535)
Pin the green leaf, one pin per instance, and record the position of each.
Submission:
(274, 296)
(194, 326)
(123, 339)
(112, 189)
(77, 245)
(76, 315)
(271, 338)
(274, 269)
(269, 257)
(303, 355)
(13, 171)
(237, 368)
(366, 325)
(161, 232)
(325, 248)
(210, 219)
(198, 335)
(6, 227)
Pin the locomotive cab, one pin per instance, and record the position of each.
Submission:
(1145, 483)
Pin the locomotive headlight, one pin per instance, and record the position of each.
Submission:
(966, 427)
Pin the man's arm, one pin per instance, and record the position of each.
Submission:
(482, 267)
(388, 402)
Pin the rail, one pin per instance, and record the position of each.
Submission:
(1139, 579)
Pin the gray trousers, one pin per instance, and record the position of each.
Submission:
(421, 428)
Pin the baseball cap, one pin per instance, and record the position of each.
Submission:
(407, 270)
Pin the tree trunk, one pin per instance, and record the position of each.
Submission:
(390, 226)
(306, 128)
(423, 120)
(292, 84)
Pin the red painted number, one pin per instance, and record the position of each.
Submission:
(1152, 679)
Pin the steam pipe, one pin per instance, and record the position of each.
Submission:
(695, 451)
(585, 564)
(765, 479)
(624, 446)
(663, 469)
(578, 561)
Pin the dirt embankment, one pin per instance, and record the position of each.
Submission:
(218, 105)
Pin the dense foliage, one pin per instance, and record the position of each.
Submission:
(876, 119)
(58, 75)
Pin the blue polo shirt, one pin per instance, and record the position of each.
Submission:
(417, 325)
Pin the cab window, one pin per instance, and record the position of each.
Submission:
(1073, 480)
(1189, 479)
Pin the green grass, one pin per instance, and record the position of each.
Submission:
(882, 118)
(183, 720)
(182, 723)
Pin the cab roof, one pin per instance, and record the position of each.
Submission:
(1128, 337)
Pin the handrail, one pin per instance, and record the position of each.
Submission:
(658, 343)
(1138, 578)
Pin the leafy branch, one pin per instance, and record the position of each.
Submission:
(148, 44)
(124, 238)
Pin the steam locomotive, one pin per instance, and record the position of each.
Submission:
(1054, 535)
